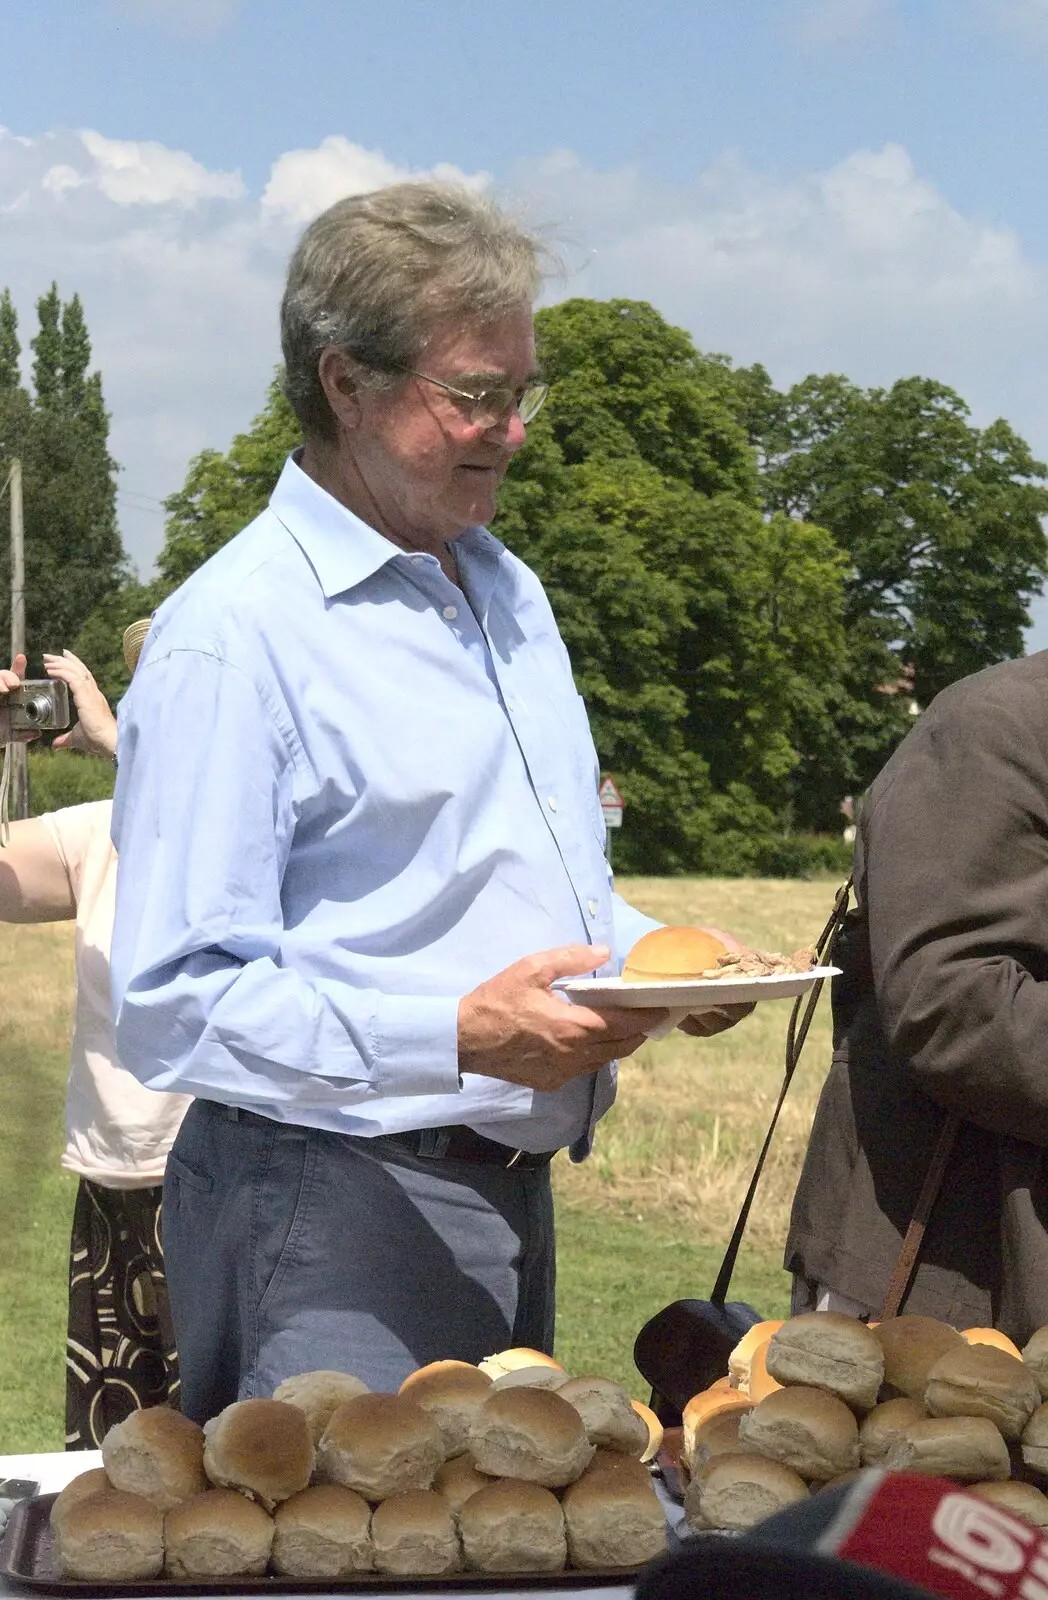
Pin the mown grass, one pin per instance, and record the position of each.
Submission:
(643, 1222)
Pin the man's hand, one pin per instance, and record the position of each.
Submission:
(12, 679)
(94, 733)
(515, 1028)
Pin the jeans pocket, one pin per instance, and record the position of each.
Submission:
(182, 1173)
(283, 1188)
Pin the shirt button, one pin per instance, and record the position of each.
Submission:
(451, 612)
(552, 802)
(593, 907)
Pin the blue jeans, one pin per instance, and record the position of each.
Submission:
(290, 1250)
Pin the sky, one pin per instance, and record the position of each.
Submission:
(853, 186)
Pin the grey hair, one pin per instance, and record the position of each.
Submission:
(376, 273)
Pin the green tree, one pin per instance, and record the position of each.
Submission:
(74, 354)
(47, 349)
(10, 349)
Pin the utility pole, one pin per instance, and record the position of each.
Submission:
(19, 766)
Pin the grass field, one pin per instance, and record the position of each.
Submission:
(641, 1223)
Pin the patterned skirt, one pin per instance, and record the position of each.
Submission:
(120, 1344)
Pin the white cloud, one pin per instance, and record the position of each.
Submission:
(303, 183)
(183, 16)
(837, 21)
(134, 172)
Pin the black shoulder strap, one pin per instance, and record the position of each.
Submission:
(796, 1033)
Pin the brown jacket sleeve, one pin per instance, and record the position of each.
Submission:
(953, 869)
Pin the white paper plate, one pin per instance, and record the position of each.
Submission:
(689, 997)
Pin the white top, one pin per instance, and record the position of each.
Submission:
(117, 1133)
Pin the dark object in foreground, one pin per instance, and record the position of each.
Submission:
(685, 1347)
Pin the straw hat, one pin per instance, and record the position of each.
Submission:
(134, 639)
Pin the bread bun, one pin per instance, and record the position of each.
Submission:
(734, 1492)
(992, 1336)
(717, 1436)
(977, 1380)
(654, 1427)
(827, 1350)
(531, 1434)
(969, 1448)
(219, 1534)
(414, 1535)
(1035, 1441)
(109, 1536)
(1021, 1499)
(531, 1378)
(622, 1466)
(886, 1423)
(263, 1448)
(458, 1479)
(158, 1454)
(607, 1414)
(761, 1383)
(380, 1445)
(668, 953)
(741, 1357)
(519, 1356)
(94, 1481)
(613, 1520)
(511, 1526)
(317, 1394)
(807, 1429)
(323, 1532)
(911, 1347)
(1035, 1356)
(707, 1403)
(451, 1393)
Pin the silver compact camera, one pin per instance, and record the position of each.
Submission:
(39, 705)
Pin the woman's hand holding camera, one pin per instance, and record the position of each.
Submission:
(94, 732)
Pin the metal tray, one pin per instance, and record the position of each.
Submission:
(27, 1560)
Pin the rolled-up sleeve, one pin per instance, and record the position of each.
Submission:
(955, 879)
(204, 817)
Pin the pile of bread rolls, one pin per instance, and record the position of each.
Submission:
(510, 1466)
(808, 1402)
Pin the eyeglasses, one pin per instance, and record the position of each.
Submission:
(493, 406)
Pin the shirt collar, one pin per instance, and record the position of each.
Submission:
(342, 549)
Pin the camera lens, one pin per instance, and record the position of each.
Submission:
(37, 710)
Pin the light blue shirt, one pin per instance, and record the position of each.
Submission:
(348, 792)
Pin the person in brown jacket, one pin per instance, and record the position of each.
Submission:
(942, 1006)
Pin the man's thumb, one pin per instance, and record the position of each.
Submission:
(573, 960)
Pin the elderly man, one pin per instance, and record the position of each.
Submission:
(360, 839)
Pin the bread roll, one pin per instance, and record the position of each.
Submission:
(109, 1536)
(969, 1448)
(317, 1394)
(978, 1380)
(717, 1436)
(530, 1434)
(511, 1526)
(220, 1534)
(519, 1356)
(458, 1479)
(263, 1448)
(911, 1347)
(622, 1466)
(531, 1378)
(451, 1393)
(414, 1535)
(707, 1403)
(613, 1520)
(992, 1336)
(654, 1427)
(1035, 1356)
(323, 1532)
(761, 1383)
(668, 953)
(807, 1429)
(379, 1445)
(1035, 1441)
(607, 1414)
(826, 1350)
(1021, 1499)
(94, 1481)
(158, 1454)
(886, 1423)
(741, 1357)
(734, 1492)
